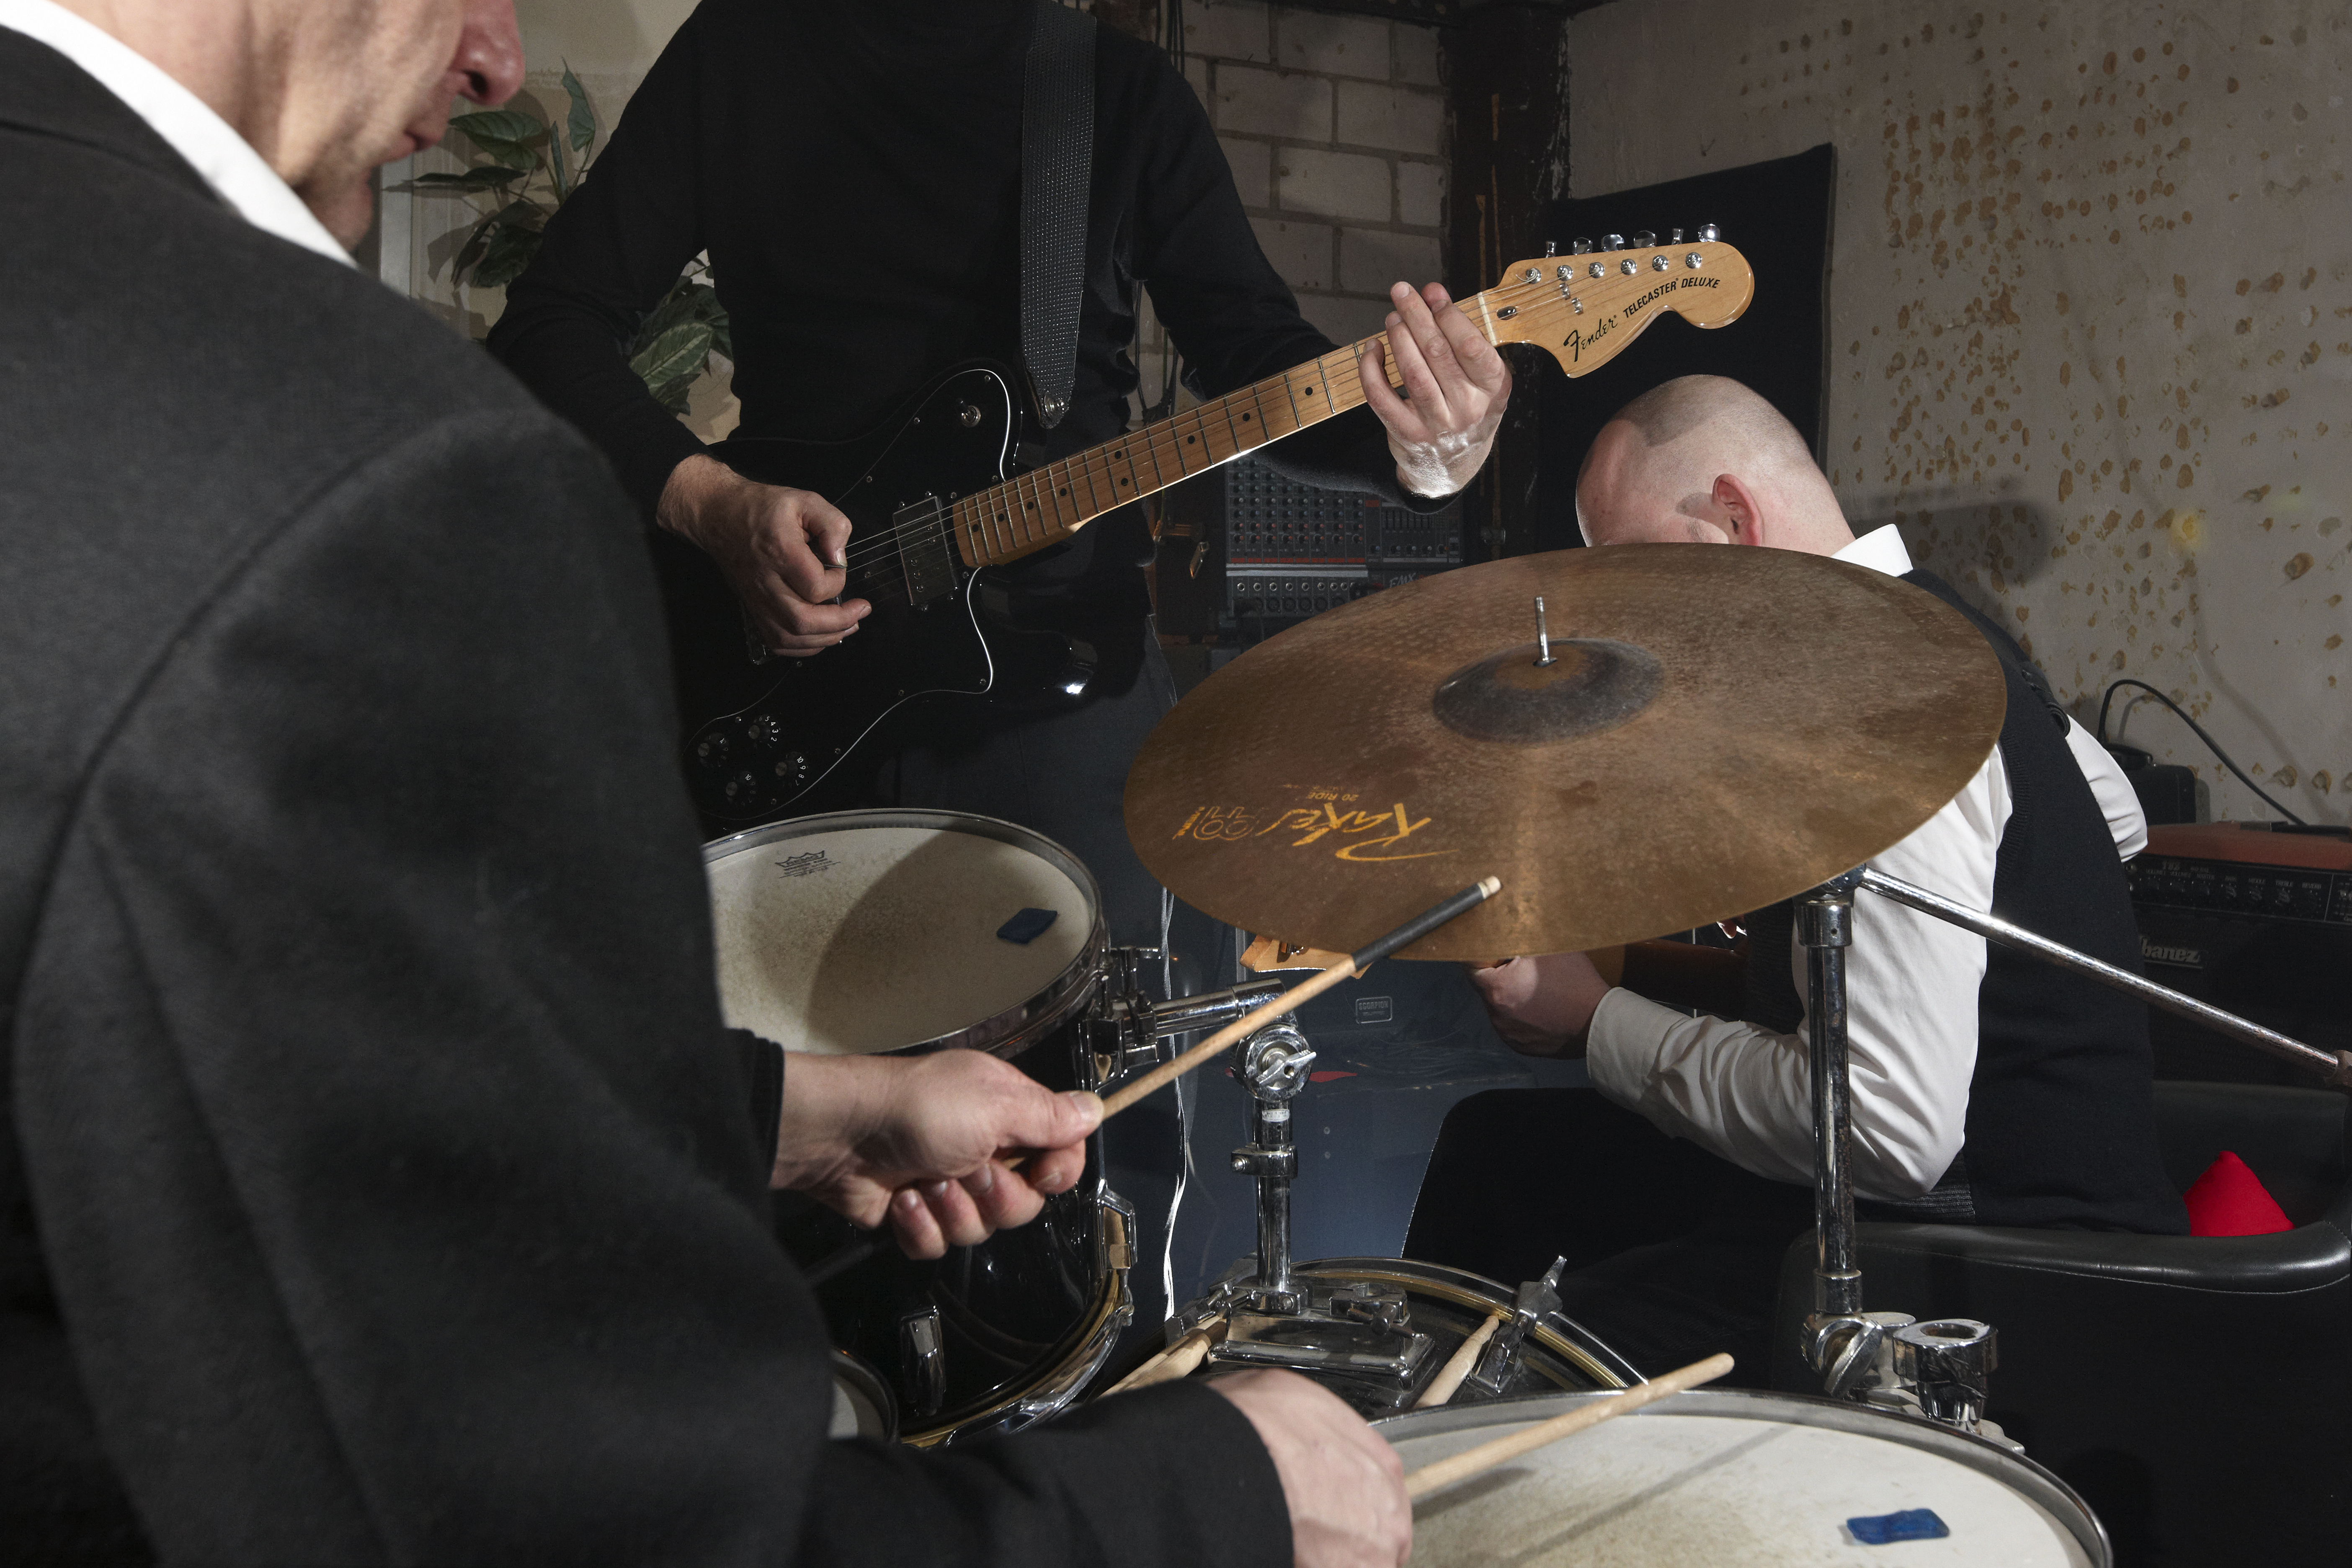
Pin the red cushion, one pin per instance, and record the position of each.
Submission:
(2231, 1200)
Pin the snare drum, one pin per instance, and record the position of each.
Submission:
(1730, 1476)
(874, 932)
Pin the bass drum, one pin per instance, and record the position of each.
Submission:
(894, 932)
(1735, 1477)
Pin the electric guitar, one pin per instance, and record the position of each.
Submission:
(935, 501)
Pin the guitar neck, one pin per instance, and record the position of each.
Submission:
(1047, 505)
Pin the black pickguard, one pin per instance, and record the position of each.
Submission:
(765, 738)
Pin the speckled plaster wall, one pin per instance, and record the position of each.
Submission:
(2091, 321)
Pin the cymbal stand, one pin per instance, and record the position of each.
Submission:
(1359, 1329)
(1938, 1368)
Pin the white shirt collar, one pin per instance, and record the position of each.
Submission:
(1881, 549)
(226, 159)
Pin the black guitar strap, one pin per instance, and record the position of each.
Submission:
(1057, 155)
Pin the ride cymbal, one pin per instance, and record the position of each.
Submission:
(1718, 729)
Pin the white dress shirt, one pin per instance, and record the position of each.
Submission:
(227, 161)
(1911, 982)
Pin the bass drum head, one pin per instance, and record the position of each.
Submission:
(1733, 1478)
(862, 932)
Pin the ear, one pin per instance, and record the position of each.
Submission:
(1740, 509)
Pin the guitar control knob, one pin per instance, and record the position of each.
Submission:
(744, 789)
(763, 732)
(793, 770)
(712, 750)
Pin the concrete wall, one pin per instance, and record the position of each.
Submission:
(2091, 320)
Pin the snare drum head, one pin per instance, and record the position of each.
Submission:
(1727, 1478)
(866, 931)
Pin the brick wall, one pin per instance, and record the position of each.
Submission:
(1335, 127)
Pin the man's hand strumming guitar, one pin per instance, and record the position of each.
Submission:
(784, 552)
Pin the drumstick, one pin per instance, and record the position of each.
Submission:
(1177, 1361)
(1502, 1450)
(1347, 968)
(1257, 1018)
(1457, 1366)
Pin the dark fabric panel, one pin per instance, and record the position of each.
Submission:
(1778, 215)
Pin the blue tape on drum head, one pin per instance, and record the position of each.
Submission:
(1027, 926)
(1910, 1524)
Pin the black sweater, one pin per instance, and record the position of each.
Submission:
(854, 173)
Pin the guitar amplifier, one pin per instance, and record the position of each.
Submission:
(1294, 550)
(2252, 919)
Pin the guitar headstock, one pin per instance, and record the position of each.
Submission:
(1585, 306)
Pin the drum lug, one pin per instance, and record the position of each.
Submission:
(1499, 1362)
(923, 1360)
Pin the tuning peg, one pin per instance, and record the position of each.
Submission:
(1709, 233)
(1551, 248)
(1644, 239)
(1613, 242)
(1580, 248)
(1674, 237)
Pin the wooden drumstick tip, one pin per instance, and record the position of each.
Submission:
(1503, 1451)
(1490, 886)
(1449, 1377)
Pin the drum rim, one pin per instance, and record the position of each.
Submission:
(2016, 1471)
(1021, 1026)
(1089, 1345)
(1464, 1288)
(869, 1382)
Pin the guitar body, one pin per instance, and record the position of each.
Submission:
(767, 737)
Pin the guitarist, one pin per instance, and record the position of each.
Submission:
(853, 173)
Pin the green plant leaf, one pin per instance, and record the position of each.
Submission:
(581, 122)
(501, 125)
(490, 177)
(678, 355)
(506, 134)
(469, 254)
(510, 250)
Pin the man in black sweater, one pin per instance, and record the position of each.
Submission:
(377, 1182)
(852, 173)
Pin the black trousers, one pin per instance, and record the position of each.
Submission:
(1673, 1254)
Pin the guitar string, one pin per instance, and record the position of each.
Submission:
(1097, 460)
(1100, 459)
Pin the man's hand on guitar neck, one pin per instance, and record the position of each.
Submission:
(1455, 386)
(784, 552)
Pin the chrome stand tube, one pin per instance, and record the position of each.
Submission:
(1273, 1066)
(2335, 1067)
(1841, 1344)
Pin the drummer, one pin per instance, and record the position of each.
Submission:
(379, 1181)
(1986, 1088)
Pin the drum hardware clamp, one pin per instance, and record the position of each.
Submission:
(1355, 1329)
(1500, 1360)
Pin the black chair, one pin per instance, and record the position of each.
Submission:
(2196, 1391)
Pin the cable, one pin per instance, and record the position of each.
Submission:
(2210, 744)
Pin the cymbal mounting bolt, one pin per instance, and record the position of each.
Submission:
(1543, 637)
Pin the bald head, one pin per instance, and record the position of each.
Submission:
(1703, 459)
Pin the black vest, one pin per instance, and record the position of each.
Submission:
(2060, 1128)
